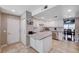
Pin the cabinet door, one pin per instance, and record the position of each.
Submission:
(39, 45)
(47, 44)
(32, 43)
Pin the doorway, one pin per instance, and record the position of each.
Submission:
(69, 29)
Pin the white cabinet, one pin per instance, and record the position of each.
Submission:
(43, 45)
(36, 44)
(39, 45)
(32, 41)
(60, 35)
(47, 44)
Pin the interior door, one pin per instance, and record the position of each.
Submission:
(12, 29)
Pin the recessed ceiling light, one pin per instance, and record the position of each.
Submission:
(69, 10)
(13, 10)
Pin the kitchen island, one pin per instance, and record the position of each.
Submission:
(41, 41)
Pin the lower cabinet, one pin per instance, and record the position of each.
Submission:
(32, 43)
(43, 45)
(39, 45)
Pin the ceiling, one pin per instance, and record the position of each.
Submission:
(56, 13)
(59, 12)
(18, 9)
(73, 10)
(48, 15)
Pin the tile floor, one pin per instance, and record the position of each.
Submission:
(57, 47)
(17, 48)
(65, 47)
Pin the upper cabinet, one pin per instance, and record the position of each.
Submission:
(54, 23)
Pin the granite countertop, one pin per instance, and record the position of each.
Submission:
(41, 35)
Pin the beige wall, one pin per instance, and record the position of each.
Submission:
(3, 28)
